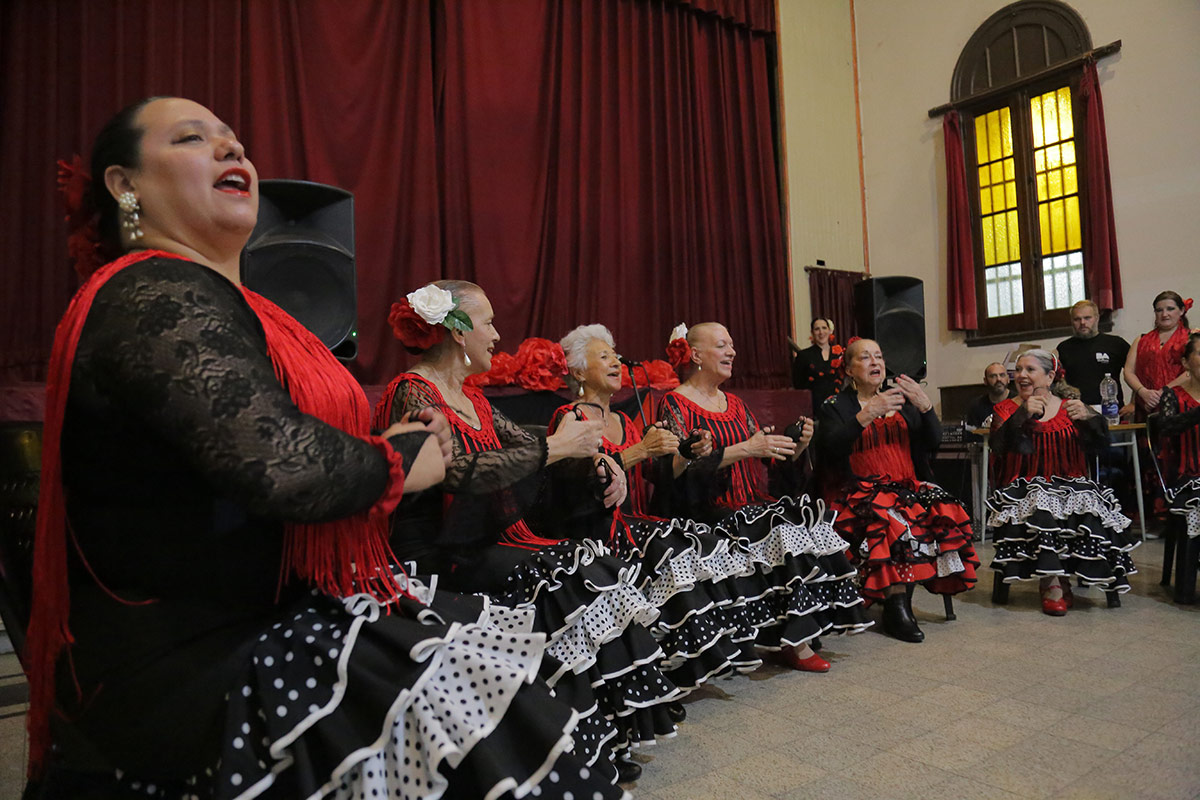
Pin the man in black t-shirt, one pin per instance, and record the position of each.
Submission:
(995, 378)
(1089, 354)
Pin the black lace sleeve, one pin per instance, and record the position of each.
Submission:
(1012, 436)
(1169, 420)
(522, 454)
(174, 346)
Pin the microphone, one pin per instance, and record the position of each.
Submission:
(629, 362)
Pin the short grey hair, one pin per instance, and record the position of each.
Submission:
(575, 345)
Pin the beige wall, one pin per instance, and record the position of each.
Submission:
(906, 54)
(824, 199)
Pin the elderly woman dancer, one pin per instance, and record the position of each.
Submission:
(210, 492)
(1048, 519)
(801, 583)
(474, 533)
(685, 568)
(1178, 428)
(903, 528)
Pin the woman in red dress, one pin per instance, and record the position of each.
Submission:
(1154, 363)
(1048, 519)
(903, 528)
(1179, 427)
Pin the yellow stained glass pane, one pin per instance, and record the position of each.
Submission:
(1068, 152)
(989, 242)
(997, 172)
(1006, 132)
(1044, 223)
(1000, 221)
(998, 197)
(981, 140)
(1050, 118)
(1039, 160)
(1074, 237)
(1070, 181)
(985, 201)
(1058, 227)
(1041, 187)
(1065, 126)
(1053, 157)
(985, 177)
(1014, 237)
(1054, 182)
(994, 153)
(1010, 169)
(1010, 194)
(1035, 109)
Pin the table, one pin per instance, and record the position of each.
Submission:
(1122, 429)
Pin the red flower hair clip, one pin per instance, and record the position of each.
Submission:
(1187, 305)
(679, 352)
(83, 239)
(422, 318)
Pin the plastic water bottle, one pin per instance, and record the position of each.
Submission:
(1108, 400)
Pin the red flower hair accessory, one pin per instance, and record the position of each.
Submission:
(422, 318)
(83, 240)
(541, 365)
(1187, 305)
(679, 352)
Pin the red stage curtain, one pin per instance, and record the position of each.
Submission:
(960, 255)
(608, 160)
(1102, 264)
(831, 295)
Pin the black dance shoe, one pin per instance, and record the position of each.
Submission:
(628, 770)
(898, 620)
(676, 712)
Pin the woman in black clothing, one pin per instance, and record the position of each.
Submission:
(875, 443)
(812, 368)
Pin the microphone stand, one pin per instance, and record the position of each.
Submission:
(637, 395)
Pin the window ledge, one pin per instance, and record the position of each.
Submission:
(1020, 337)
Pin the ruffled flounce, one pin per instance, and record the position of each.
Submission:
(911, 532)
(1060, 526)
(1184, 501)
(342, 697)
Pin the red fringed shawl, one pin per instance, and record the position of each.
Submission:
(473, 440)
(339, 557)
(1056, 449)
(882, 451)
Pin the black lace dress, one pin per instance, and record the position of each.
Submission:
(473, 534)
(194, 671)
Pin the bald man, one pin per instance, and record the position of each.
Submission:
(995, 378)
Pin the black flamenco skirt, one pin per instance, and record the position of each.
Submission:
(1184, 501)
(1061, 526)
(904, 532)
(347, 699)
(595, 620)
(798, 583)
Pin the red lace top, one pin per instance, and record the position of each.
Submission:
(1056, 448)
(1160, 363)
(882, 451)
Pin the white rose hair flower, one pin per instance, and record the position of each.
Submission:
(432, 303)
(422, 318)
(679, 332)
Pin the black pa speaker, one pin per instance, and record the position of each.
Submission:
(301, 257)
(891, 310)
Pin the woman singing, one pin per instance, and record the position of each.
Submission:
(473, 531)
(903, 529)
(1048, 519)
(214, 613)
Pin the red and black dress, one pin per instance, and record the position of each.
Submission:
(902, 527)
(1159, 362)
(198, 443)
(1047, 517)
(585, 601)
(686, 570)
(1180, 428)
(802, 584)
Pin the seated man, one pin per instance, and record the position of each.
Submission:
(1089, 354)
(995, 378)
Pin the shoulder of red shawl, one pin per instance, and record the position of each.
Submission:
(1186, 401)
(1005, 409)
(1059, 422)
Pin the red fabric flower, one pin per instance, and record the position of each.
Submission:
(84, 250)
(662, 375)
(837, 350)
(502, 373)
(541, 365)
(1187, 305)
(412, 331)
(83, 240)
(679, 353)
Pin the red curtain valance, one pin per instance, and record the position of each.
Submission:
(757, 15)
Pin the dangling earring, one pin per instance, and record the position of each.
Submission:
(581, 390)
(466, 358)
(130, 208)
(699, 367)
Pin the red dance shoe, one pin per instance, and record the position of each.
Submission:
(813, 663)
(1055, 608)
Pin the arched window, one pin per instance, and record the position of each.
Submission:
(1016, 88)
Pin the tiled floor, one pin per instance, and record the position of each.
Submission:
(1002, 703)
